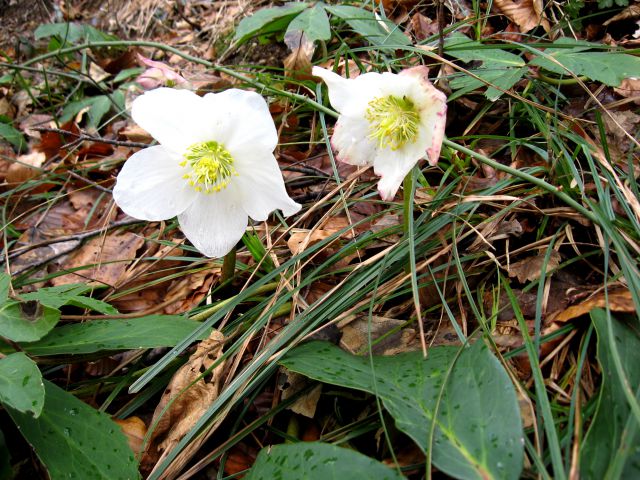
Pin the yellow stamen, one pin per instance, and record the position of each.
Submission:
(393, 121)
(210, 165)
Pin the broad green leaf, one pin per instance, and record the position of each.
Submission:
(73, 440)
(267, 20)
(313, 22)
(56, 297)
(21, 385)
(97, 335)
(13, 136)
(72, 32)
(313, 460)
(26, 321)
(609, 68)
(463, 48)
(97, 107)
(5, 283)
(478, 432)
(500, 68)
(611, 448)
(378, 31)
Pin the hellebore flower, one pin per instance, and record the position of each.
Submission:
(214, 166)
(158, 75)
(386, 120)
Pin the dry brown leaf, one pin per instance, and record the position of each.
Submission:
(632, 11)
(356, 334)
(135, 430)
(629, 88)
(291, 384)
(185, 403)
(298, 62)
(529, 269)
(527, 14)
(25, 168)
(629, 122)
(617, 301)
(188, 291)
(111, 255)
(301, 239)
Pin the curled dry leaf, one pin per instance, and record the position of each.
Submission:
(355, 336)
(527, 14)
(630, 88)
(135, 430)
(107, 258)
(616, 301)
(185, 401)
(529, 269)
(298, 62)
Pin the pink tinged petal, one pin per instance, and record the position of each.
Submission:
(176, 118)
(432, 104)
(247, 115)
(150, 185)
(214, 223)
(351, 141)
(261, 188)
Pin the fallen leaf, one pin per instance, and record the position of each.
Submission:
(629, 88)
(298, 62)
(616, 301)
(185, 403)
(526, 14)
(291, 383)
(632, 11)
(629, 122)
(135, 430)
(25, 168)
(108, 257)
(357, 334)
(529, 269)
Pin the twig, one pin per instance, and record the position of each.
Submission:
(83, 136)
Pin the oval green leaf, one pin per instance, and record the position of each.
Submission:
(21, 385)
(317, 460)
(478, 430)
(73, 440)
(26, 321)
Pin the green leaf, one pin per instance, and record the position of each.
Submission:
(72, 32)
(609, 68)
(478, 430)
(89, 337)
(21, 385)
(312, 460)
(13, 136)
(313, 22)
(5, 283)
(365, 23)
(97, 108)
(500, 68)
(610, 448)
(56, 297)
(73, 440)
(267, 20)
(26, 321)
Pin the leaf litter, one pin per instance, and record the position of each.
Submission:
(477, 227)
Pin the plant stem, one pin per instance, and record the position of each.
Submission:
(407, 208)
(229, 266)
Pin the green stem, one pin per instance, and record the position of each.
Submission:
(407, 208)
(269, 287)
(561, 81)
(229, 266)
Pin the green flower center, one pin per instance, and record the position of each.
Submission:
(210, 165)
(393, 121)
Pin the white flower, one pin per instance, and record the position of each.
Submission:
(386, 120)
(214, 166)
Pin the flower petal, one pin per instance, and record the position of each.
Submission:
(351, 96)
(176, 118)
(214, 223)
(248, 115)
(351, 141)
(261, 188)
(150, 185)
(393, 166)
